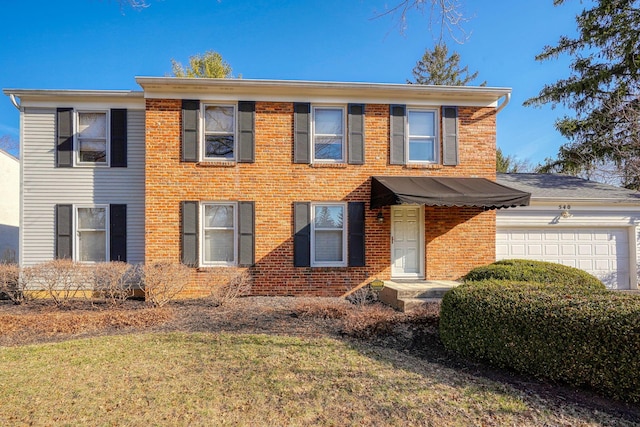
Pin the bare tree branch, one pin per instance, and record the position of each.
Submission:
(445, 16)
(9, 143)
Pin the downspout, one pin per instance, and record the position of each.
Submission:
(15, 103)
(507, 98)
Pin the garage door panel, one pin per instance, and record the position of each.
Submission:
(601, 252)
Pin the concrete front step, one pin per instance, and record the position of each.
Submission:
(408, 295)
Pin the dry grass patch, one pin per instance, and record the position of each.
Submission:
(258, 380)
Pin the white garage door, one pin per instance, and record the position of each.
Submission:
(603, 252)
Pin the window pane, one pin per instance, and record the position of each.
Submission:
(91, 218)
(93, 151)
(328, 216)
(421, 150)
(92, 246)
(218, 119)
(219, 146)
(92, 125)
(421, 123)
(328, 121)
(218, 216)
(328, 246)
(218, 246)
(328, 148)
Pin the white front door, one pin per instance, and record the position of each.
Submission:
(407, 237)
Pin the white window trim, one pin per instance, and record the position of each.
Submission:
(436, 137)
(343, 158)
(203, 262)
(344, 262)
(76, 232)
(202, 136)
(76, 139)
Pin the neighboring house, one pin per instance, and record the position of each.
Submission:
(9, 207)
(315, 187)
(575, 222)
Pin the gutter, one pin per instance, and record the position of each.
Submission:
(15, 103)
(507, 98)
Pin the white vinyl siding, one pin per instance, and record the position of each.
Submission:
(45, 185)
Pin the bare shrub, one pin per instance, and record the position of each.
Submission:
(370, 320)
(321, 308)
(61, 280)
(227, 284)
(111, 281)
(10, 283)
(362, 296)
(163, 280)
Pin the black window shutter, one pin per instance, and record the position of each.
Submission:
(190, 233)
(64, 231)
(301, 133)
(246, 131)
(118, 233)
(356, 134)
(450, 136)
(119, 138)
(64, 137)
(356, 234)
(246, 233)
(190, 109)
(302, 236)
(397, 138)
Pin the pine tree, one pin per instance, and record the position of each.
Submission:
(603, 89)
(438, 68)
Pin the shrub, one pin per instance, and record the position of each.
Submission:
(362, 296)
(521, 270)
(583, 338)
(227, 284)
(10, 284)
(61, 280)
(112, 281)
(162, 281)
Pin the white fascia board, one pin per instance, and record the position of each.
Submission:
(56, 98)
(596, 203)
(298, 90)
(581, 216)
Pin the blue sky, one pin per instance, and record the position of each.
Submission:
(93, 44)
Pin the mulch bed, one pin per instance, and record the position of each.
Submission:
(415, 334)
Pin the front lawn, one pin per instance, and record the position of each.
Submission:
(210, 378)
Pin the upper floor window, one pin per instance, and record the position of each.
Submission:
(91, 137)
(328, 134)
(219, 132)
(421, 136)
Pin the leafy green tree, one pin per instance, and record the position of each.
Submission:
(209, 65)
(437, 67)
(603, 89)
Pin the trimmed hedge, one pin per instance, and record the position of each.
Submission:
(522, 270)
(586, 339)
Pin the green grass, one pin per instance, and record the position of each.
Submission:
(258, 380)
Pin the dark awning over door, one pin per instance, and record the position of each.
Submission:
(436, 191)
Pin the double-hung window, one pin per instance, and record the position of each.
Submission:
(328, 235)
(92, 137)
(91, 233)
(219, 229)
(219, 132)
(328, 134)
(422, 136)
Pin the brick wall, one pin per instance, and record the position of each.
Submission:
(457, 239)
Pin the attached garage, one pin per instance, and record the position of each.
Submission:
(603, 252)
(574, 222)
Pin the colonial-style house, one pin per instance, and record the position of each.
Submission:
(314, 187)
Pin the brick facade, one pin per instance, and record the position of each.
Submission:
(456, 239)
